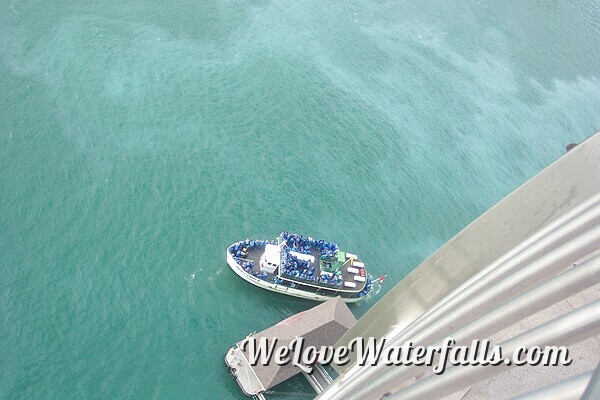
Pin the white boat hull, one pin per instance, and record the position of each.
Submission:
(280, 288)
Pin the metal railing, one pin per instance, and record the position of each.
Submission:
(536, 273)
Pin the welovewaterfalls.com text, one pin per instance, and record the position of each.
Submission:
(372, 351)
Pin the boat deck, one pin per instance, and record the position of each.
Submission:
(254, 255)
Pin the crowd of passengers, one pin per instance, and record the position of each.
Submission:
(303, 270)
(367, 288)
(241, 248)
(303, 244)
(248, 266)
(291, 265)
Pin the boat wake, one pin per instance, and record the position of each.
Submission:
(190, 283)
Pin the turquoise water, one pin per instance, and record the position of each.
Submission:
(138, 139)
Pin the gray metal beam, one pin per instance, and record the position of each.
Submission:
(483, 297)
(567, 329)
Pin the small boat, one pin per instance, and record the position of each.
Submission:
(302, 267)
